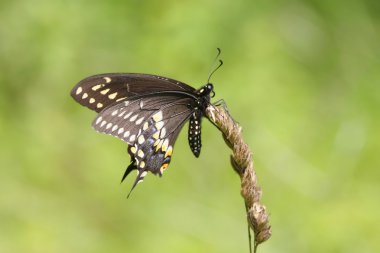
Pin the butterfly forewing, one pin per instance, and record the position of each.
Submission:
(99, 91)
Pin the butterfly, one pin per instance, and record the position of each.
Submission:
(147, 112)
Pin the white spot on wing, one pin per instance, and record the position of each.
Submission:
(114, 127)
(120, 130)
(132, 138)
(127, 115)
(103, 123)
(138, 122)
(126, 134)
(99, 105)
(98, 120)
(121, 114)
(92, 100)
(133, 118)
(109, 125)
(85, 95)
(114, 112)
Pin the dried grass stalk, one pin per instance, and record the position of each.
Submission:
(242, 162)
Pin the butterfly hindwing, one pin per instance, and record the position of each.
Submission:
(129, 118)
(150, 125)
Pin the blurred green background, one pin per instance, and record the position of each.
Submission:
(301, 77)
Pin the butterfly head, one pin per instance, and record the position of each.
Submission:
(206, 90)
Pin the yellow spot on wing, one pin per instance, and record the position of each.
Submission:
(156, 142)
(159, 145)
(142, 164)
(119, 99)
(79, 90)
(99, 105)
(157, 117)
(163, 132)
(165, 145)
(104, 92)
(96, 87)
(92, 100)
(164, 166)
(169, 151)
(108, 79)
(159, 125)
(156, 135)
(85, 95)
(140, 153)
(112, 96)
(133, 150)
(141, 139)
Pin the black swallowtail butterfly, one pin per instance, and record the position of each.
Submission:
(147, 112)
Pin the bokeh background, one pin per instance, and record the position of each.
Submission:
(301, 77)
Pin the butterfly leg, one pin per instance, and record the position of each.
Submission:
(223, 103)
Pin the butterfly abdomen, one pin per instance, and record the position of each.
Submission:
(195, 133)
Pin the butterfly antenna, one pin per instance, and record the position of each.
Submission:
(212, 66)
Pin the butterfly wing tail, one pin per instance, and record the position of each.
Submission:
(131, 167)
(139, 179)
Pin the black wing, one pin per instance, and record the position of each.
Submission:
(150, 125)
(100, 91)
(145, 111)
